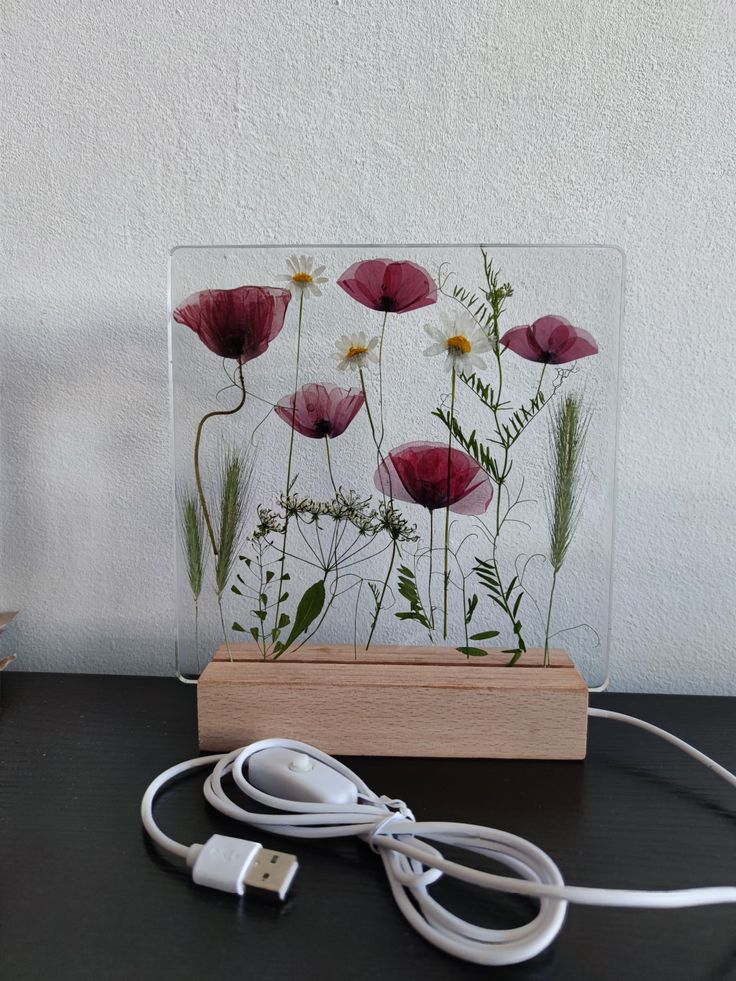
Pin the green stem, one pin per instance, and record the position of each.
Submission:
(379, 444)
(541, 379)
(290, 457)
(447, 514)
(332, 557)
(367, 407)
(499, 485)
(196, 635)
(224, 631)
(502, 475)
(465, 623)
(262, 620)
(429, 579)
(198, 440)
(499, 432)
(549, 619)
(329, 463)
(383, 594)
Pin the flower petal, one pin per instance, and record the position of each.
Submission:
(237, 323)
(435, 349)
(521, 341)
(581, 346)
(389, 286)
(434, 476)
(320, 411)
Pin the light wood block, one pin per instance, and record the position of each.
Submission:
(396, 701)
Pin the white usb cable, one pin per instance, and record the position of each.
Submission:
(316, 796)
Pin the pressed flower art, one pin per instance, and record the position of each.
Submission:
(394, 446)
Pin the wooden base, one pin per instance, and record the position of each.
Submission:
(396, 701)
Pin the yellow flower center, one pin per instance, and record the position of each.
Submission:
(459, 345)
(354, 352)
(302, 277)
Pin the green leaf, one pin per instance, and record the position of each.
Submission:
(234, 589)
(254, 633)
(473, 651)
(515, 609)
(408, 589)
(269, 575)
(285, 577)
(261, 614)
(472, 603)
(236, 626)
(264, 599)
(283, 597)
(480, 451)
(516, 652)
(307, 611)
(485, 635)
(284, 621)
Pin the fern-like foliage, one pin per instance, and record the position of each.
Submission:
(480, 451)
(484, 392)
(476, 307)
(515, 425)
(376, 594)
(409, 590)
(507, 599)
(507, 432)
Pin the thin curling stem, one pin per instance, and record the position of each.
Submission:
(197, 442)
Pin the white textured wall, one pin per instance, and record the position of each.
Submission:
(133, 126)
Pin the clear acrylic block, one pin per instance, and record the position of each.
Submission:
(339, 370)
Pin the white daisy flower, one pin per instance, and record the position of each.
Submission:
(461, 339)
(356, 351)
(304, 275)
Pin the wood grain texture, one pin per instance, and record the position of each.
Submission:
(396, 702)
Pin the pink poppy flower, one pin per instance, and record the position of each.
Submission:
(418, 473)
(394, 287)
(321, 411)
(238, 323)
(550, 340)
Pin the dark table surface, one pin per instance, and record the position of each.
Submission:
(83, 895)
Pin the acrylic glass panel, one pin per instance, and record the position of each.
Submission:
(355, 361)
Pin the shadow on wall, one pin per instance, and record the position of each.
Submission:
(88, 528)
